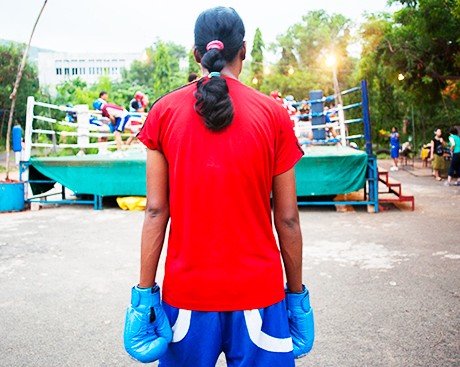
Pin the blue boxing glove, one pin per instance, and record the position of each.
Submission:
(147, 330)
(301, 324)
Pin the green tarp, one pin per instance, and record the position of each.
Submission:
(330, 170)
(101, 175)
(324, 170)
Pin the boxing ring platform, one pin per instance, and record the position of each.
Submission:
(323, 171)
(329, 167)
(100, 175)
(330, 171)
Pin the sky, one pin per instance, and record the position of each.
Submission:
(131, 26)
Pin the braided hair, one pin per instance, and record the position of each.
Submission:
(219, 36)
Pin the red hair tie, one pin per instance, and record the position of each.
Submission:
(215, 44)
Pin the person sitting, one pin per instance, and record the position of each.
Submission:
(425, 154)
(405, 152)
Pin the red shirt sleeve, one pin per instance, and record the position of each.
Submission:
(150, 132)
(287, 149)
(104, 111)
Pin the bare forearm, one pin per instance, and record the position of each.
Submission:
(153, 235)
(290, 239)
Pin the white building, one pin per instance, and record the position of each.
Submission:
(56, 67)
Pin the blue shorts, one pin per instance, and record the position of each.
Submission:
(121, 122)
(394, 152)
(254, 338)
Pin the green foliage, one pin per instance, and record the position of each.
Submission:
(193, 66)
(420, 43)
(162, 72)
(155, 75)
(384, 88)
(257, 55)
(302, 54)
(423, 45)
(10, 59)
(159, 71)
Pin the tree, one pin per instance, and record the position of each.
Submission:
(387, 100)
(193, 66)
(162, 73)
(414, 60)
(302, 53)
(424, 46)
(257, 61)
(142, 74)
(10, 58)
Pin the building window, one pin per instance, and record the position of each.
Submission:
(105, 71)
(66, 71)
(114, 71)
(82, 71)
(74, 71)
(58, 71)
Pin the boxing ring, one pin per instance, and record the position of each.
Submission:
(88, 177)
(328, 168)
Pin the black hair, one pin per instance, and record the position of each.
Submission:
(453, 131)
(396, 129)
(213, 102)
(102, 93)
(192, 77)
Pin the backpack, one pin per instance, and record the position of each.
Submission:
(439, 149)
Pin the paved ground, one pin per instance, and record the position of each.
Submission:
(384, 287)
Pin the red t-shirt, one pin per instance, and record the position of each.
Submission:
(222, 253)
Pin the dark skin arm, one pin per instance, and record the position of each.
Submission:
(156, 217)
(286, 216)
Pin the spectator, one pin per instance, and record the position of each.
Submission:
(192, 77)
(454, 169)
(394, 143)
(425, 154)
(436, 154)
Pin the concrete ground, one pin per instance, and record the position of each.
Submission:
(385, 287)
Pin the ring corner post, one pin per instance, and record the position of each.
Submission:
(29, 128)
(25, 161)
(366, 117)
(372, 159)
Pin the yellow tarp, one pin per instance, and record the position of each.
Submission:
(132, 202)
